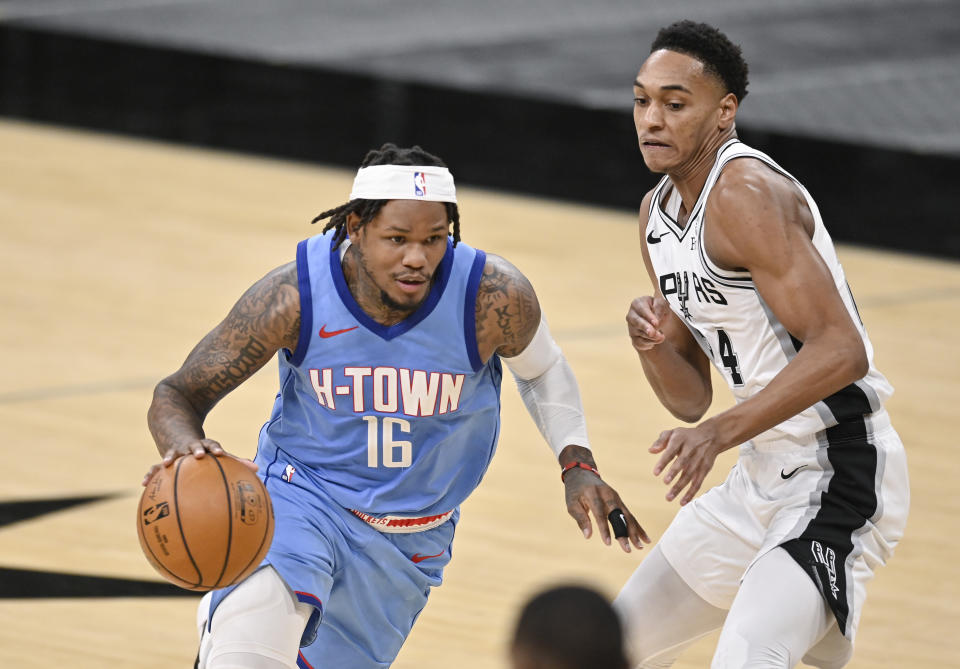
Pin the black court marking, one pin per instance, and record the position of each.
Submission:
(18, 511)
(35, 584)
(32, 584)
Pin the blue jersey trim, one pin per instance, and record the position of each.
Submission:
(470, 309)
(309, 598)
(306, 305)
(266, 473)
(392, 331)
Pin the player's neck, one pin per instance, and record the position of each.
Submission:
(690, 177)
(374, 302)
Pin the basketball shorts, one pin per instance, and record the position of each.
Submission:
(837, 504)
(367, 587)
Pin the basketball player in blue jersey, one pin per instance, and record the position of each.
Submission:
(746, 277)
(390, 334)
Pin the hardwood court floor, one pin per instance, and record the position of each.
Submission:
(118, 255)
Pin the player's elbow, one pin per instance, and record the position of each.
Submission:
(851, 362)
(857, 360)
(687, 416)
(842, 354)
(689, 409)
(691, 415)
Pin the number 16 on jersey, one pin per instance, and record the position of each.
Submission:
(381, 436)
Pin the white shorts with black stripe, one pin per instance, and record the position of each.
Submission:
(838, 504)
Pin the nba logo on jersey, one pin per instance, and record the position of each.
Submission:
(419, 184)
(288, 473)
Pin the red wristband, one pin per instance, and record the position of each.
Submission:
(573, 465)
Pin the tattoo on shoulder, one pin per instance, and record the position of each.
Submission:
(508, 312)
(265, 319)
(270, 308)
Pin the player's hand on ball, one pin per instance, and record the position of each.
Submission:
(199, 448)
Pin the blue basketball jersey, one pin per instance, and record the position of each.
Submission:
(386, 420)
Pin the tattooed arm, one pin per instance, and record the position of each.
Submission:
(508, 312)
(508, 324)
(264, 320)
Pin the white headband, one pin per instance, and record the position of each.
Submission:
(404, 182)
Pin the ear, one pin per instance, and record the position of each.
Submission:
(728, 111)
(353, 226)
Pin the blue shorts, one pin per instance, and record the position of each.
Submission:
(366, 588)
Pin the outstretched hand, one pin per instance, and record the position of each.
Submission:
(689, 453)
(587, 494)
(199, 448)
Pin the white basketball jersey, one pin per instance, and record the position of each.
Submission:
(728, 317)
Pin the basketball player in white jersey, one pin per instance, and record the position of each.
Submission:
(745, 277)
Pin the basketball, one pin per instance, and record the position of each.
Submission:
(205, 523)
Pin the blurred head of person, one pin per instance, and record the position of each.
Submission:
(567, 627)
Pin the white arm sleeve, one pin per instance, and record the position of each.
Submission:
(549, 391)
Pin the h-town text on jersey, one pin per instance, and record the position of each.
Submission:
(412, 392)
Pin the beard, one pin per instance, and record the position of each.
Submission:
(393, 305)
(385, 299)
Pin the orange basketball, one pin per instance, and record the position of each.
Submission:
(205, 523)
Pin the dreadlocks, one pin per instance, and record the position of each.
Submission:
(388, 154)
